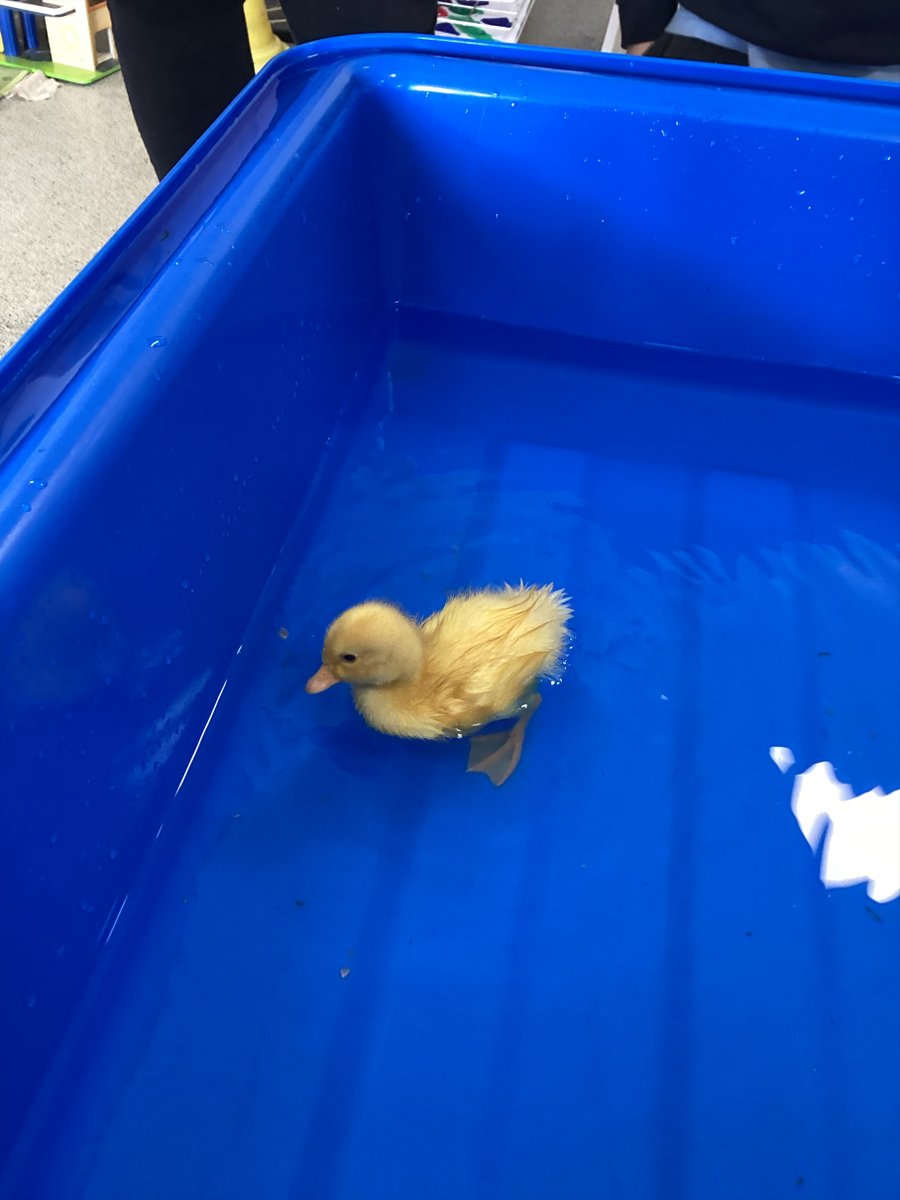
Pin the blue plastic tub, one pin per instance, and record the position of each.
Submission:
(412, 318)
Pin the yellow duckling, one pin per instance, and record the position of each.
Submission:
(474, 662)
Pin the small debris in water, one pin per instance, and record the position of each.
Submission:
(299, 903)
(236, 815)
(873, 914)
(345, 971)
(283, 633)
(824, 654)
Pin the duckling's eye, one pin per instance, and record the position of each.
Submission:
(349, 658)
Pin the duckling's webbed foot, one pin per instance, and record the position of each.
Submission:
(497, 754)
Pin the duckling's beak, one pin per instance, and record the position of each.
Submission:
(321, 681)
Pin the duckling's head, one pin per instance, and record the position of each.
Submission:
(371, 645)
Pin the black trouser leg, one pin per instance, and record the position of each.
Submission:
(313, 19)
(674, 45)
(183, 63)
(182, 67)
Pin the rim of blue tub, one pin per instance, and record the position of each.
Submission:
(157, 227)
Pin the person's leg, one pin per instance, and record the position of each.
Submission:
(674, 45)
(313, 19)
(183, 64)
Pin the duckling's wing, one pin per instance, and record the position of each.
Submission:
(491, 645)
(510, 621)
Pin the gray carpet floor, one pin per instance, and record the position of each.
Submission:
(73, 168)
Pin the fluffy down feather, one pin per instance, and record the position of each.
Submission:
(471, 663)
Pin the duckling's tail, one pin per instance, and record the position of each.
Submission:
(543, 623)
